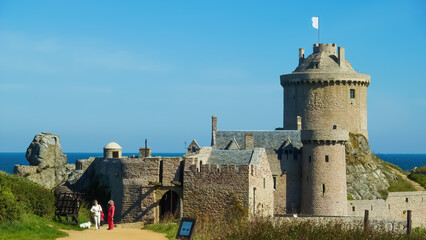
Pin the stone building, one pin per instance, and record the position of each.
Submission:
(297, 169)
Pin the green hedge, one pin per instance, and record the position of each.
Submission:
(20, 196)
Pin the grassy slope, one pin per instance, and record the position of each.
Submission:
(169, 228)
(35, 221)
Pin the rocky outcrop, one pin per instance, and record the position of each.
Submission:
(48, 165)
(366, 175)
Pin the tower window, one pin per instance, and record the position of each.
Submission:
(264, 183)
(352, 93)
(406, 199)
(353, 209)
(326, 158)
(310, 159)
(275, 183)
(323, 189)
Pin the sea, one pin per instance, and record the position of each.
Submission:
(8, 160)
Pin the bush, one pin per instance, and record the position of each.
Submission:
(9, 207)
(27, 195)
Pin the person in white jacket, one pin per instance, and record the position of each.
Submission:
(96, 210)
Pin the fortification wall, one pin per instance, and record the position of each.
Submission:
(376, 208)
(292, 167)
(394, 207)
(324, 179)
(322, 104)
(213, 191)
(172, 170)
(400, 202)
(261, 192)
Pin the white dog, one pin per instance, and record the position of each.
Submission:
(85, 225)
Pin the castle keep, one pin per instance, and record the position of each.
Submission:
(297, 169)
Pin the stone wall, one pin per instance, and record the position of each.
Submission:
(261, 192)
(214, 191)
(322, 105)
(324, 174)
(394, 207)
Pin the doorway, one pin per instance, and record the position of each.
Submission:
(170, 205)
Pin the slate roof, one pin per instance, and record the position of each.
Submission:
(270, 140)
(230, 157)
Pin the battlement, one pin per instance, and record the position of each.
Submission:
(325, 135)
(321, 47)
(197, 166)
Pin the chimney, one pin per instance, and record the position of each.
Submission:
(301, 55)
(144, 152)
(299, 123)
(214, 129)
(249, 139)
(341, 55)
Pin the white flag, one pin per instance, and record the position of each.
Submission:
(315, 22)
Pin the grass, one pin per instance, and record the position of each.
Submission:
(31, 227)
(268, 229)
(419, 178)
(170, 229)
(27, 211)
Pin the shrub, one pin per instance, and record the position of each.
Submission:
(10, 210)
(29, 196)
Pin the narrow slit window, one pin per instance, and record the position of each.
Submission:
(406, 199)
(352, 93)
(326, 158)
(323, 189)
(310, 159)
(353, 209)
(264, 183)
(275, 183)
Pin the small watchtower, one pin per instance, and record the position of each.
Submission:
(112, 150)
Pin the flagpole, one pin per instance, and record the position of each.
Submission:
(318, 31)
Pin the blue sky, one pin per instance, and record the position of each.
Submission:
(100, 71)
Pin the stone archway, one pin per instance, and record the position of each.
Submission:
(170, 205)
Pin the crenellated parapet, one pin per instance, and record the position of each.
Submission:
(325, 79)
(325, 136)
(206, 170)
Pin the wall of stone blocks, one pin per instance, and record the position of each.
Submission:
(400, 202)
(322, 105)
(210, 190)
(280, 195)
(394, 207)
(261, 192)
(172, 170)
(376, 208)
(324, 183)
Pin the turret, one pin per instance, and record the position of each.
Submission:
(324, 172)
(325, 90)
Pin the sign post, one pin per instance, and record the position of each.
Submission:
(186, 228)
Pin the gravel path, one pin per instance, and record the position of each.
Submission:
(119, 233)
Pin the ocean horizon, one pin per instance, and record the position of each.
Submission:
(8, 159)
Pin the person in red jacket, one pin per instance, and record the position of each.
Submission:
(102, 218)
(111, 215)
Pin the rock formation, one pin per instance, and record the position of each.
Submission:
(48, 165)
(366, 175)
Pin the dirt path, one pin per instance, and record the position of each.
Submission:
(119, 233)
(417, 186)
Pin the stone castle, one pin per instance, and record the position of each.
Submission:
(297, 169)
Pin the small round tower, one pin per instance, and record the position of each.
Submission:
(112, 150)
(325, 90)
(324, 172)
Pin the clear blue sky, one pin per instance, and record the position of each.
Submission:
(100, 71)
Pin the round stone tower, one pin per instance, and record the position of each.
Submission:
(325, 90)
(324, 172)
(112, 150)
